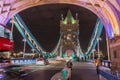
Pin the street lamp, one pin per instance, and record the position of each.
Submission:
(108, 51)
(93, 53)
(24, 40)
(12, 21)
(98, 46)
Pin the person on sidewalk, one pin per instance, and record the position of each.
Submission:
(65, 74)
(97, 64)
(67, 70)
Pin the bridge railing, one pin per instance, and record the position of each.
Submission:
(108, 75)
(105, 71)
(106, 63)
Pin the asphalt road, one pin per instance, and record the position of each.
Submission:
(81, 71)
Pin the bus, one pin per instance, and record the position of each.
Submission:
(6, 41)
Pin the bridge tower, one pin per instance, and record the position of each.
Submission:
(69, 29)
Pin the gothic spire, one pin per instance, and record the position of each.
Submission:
(69, 18)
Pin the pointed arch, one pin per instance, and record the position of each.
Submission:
(101, 8)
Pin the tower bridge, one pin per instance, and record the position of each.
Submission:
(107, 10)
(68, 43)
(69, 27)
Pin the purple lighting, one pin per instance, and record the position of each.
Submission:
(116, 11)
(110, 31)
(2, 76)
(118, 1)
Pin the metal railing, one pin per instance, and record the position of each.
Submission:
(108, 75)
(106, 63)
(106, 71)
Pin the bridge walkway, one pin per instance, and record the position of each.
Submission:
(84, 71)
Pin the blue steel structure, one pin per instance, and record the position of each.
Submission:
(96, 34)
(25, 32)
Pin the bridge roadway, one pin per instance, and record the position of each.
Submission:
(81, 71)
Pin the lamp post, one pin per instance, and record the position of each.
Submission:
(24, 47)
(108, 51)
(89, 57)
(98, 46)
(93, 51)
(61, 51)
(12, 21)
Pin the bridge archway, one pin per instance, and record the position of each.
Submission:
(106, 10)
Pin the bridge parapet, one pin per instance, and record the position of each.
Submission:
(108, 75)
(106, 63)
(105, 71)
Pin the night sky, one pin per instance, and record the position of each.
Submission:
(44, 23)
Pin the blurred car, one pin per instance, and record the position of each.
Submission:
(16, 71)
(41, 61)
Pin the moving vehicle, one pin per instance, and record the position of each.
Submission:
(41, 61)
(6, 41)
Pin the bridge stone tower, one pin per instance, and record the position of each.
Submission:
(69, 29)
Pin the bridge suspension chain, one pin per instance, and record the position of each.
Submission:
(25, 32)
